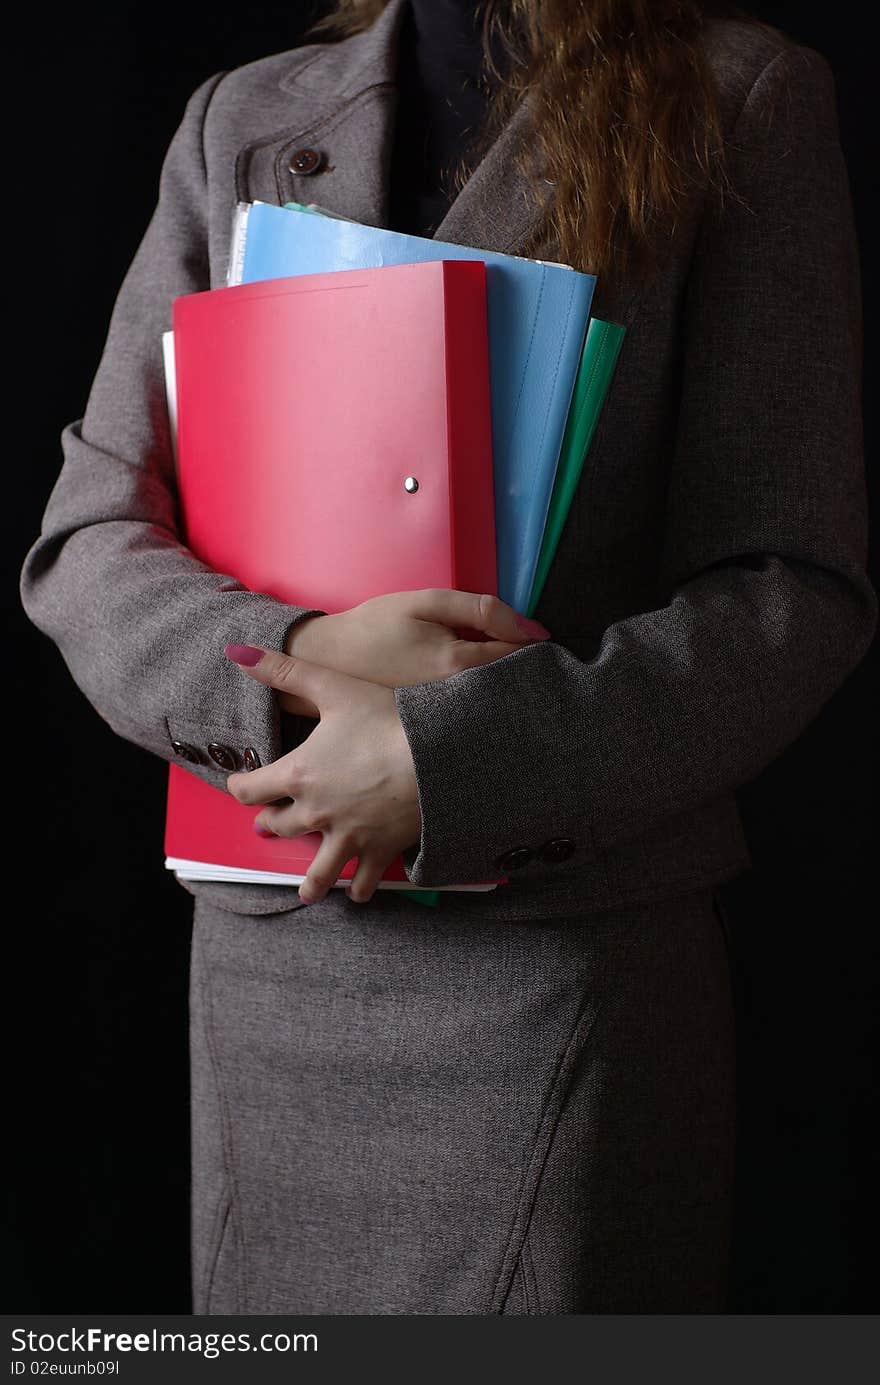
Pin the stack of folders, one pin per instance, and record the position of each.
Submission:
(361, 411)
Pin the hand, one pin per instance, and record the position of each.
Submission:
(409, 637)
(353, 779)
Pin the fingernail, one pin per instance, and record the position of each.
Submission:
(532, 628)
(262, 831)
(243, 654)
(306, 898)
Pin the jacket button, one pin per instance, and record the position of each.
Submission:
(306, 162)
(186, 752)
(222, 756)
(515, 859)
(559, 849)
(251, 758)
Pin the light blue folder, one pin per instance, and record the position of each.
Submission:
(537, 316)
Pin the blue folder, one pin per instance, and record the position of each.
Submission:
(537, 316)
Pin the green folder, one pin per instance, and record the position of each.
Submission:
(601, 349)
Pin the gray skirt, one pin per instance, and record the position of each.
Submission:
(402, 1109)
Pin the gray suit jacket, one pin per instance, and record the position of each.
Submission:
(709, 591)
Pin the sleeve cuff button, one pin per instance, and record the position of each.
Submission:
(515, 859)
(559, 849)
(222, 755)
(186, 752)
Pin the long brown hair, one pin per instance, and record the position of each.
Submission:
(626, 118)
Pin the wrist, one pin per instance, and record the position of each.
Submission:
(301, 638)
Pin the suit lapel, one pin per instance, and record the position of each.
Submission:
(340, 99)
(497, 208)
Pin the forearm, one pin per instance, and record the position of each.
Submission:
(141, 623)
(675, 707)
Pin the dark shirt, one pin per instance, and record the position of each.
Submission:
(441, 107)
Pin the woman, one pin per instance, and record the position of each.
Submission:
(519, 1101)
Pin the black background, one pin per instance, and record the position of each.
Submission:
(97, 953)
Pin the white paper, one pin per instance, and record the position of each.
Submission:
(204, 870)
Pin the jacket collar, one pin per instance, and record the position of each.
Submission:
(341, 99)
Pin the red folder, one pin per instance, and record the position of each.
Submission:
(307, 408)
